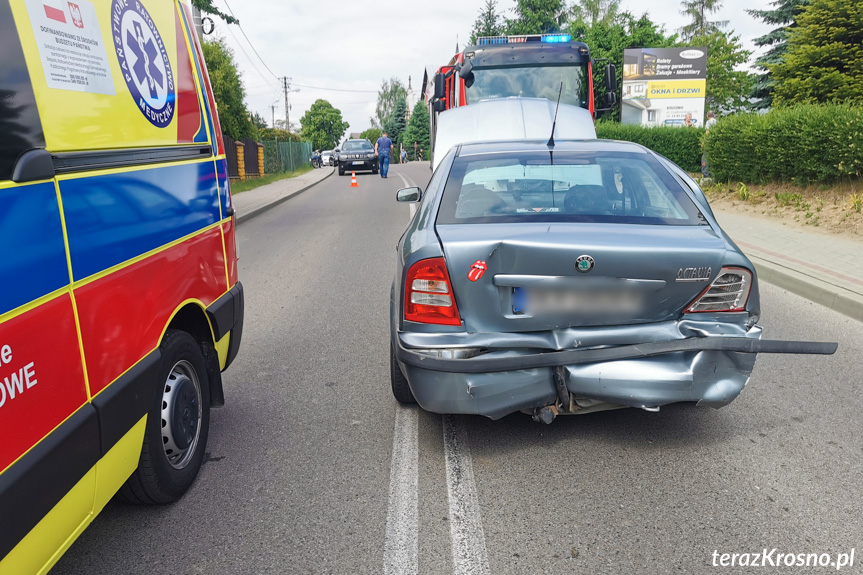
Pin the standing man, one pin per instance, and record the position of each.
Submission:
(383, 148)
(404, 156)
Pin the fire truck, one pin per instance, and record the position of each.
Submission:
(527, 66)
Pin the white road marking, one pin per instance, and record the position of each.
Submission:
(401, 543)
(469, 555)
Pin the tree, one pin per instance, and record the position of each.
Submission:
(228, 90)
(391, 92)
(824, 60)
(417, 131)
(259, 121)
(372, 134)
(727, 89)
(784, 15)
(488, 23)
(323, 125)
(395, 124)
(278, 134)
(595, 12)
(608, 39)
(699, 10)
(207, 6)
(537, 17)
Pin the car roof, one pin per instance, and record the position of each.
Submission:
(559, 146)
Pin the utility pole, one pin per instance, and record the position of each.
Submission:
(273, 113)
(286, 83)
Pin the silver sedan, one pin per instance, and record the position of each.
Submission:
(570, 278)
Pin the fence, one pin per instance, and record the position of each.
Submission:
(285, 156)
(251, 157)
(248, 158)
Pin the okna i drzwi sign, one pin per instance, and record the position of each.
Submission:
(664, 86)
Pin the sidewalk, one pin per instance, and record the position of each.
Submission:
(823, 268)
(254, 202)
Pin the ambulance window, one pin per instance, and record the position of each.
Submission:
(19, 118)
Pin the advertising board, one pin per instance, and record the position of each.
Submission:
(664, 86)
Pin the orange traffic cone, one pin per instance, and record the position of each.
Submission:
(354, 180)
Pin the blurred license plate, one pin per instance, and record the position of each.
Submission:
(358, 163)
(539, 301)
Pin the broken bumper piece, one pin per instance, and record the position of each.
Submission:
(708, 370)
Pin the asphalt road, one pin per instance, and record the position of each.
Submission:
(300, 476)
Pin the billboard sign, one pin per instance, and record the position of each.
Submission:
(664, 86)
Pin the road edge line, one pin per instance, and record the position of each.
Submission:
(469, 553)
(401, 543)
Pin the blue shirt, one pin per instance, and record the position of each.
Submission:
(384, 145)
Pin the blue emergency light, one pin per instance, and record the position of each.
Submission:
(555, 38)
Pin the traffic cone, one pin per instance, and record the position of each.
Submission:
(354, 180)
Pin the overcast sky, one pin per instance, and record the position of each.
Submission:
(355, 45)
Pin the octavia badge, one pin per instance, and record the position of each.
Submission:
(584, 264)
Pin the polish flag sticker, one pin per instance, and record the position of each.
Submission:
(476, 270)
(55, 14)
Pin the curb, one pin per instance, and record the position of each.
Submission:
(245, 216)
(823, 293)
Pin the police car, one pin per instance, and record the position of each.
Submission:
(120, 301)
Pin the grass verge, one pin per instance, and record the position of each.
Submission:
(240, 186)
(835, 207)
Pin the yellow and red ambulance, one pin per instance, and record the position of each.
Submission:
(119, 299)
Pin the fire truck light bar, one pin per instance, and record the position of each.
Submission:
(550, 38)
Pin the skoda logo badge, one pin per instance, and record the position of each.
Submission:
(144, 61)
(584, 264)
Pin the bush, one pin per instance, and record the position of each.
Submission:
(804, 143)
(680, 145)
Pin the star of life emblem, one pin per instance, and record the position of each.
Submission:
(144, 61)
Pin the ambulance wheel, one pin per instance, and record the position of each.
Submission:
(177, 426)
(401, 390)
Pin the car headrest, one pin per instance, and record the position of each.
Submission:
(586, 200)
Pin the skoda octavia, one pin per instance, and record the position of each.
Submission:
(568, 278)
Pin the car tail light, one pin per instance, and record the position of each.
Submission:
(728, 292)
(428, 294)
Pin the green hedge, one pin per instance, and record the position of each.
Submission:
(680, 145)
(805, 143)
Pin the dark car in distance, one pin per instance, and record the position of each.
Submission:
(356, 155)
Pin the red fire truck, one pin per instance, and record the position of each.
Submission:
(534, 66)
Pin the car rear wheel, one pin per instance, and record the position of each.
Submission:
(177, 426)
(401, 389)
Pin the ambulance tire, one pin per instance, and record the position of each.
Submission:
(157, 480)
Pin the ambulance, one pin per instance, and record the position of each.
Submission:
(120, 305)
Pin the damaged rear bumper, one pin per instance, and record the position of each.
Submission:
(708, 369)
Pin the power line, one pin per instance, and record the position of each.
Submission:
(251, 61)
(231, 12)
(337, 89)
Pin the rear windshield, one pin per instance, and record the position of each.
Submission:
(612, 187)
(357, 146)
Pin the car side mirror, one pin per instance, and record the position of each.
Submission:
(611, 78)
(438, 106)
(409, 195)
(466, 73)
(439, 86)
